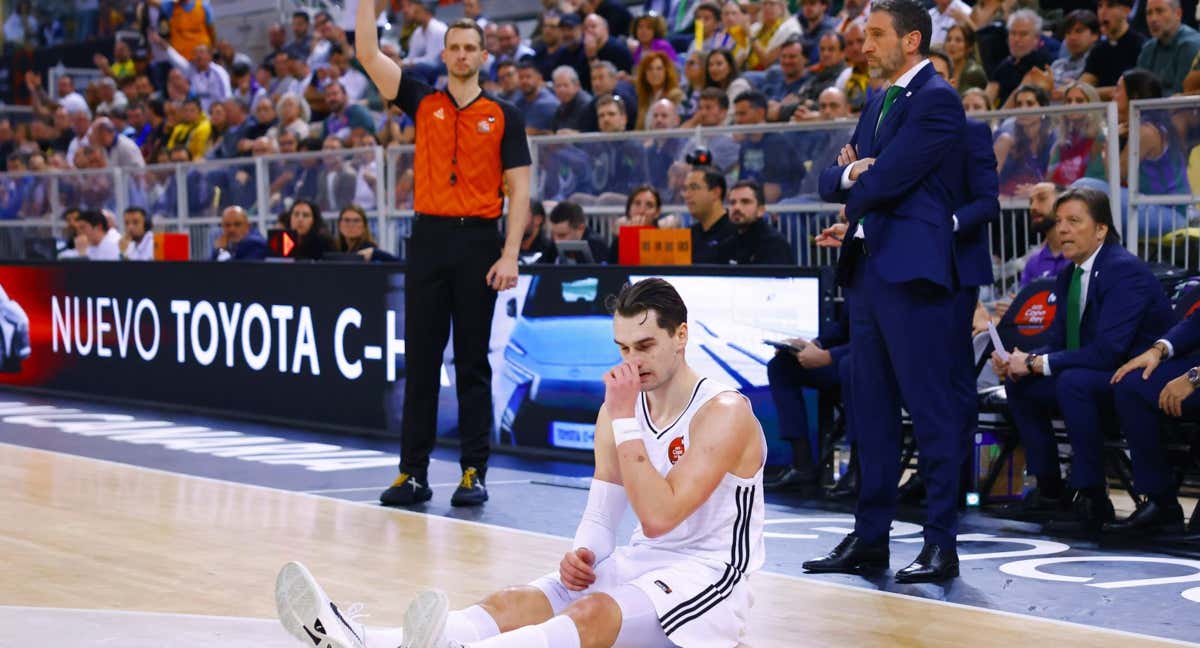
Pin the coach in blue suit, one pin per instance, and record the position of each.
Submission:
(1109, 305)
(900, 178)
(1161, 381)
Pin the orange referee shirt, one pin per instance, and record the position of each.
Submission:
(461, 152)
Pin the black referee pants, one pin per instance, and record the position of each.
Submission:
(448, 262)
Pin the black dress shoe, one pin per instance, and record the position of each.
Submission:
(913, 490)
(1089, 513)
(852, 556)
(933, 564)
(1152, 517)
(793, 478)
(1036, 507)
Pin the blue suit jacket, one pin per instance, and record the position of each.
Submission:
(1184, 336)
(979, 208)
(909, 194)
(1126, 311)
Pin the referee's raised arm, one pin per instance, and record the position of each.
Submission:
(384, 72)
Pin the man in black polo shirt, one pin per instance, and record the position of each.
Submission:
(1024, 43)
(757, 242)
(471, 146)
(713, 234)
(1117, 50)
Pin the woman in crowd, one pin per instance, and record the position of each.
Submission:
(657, 79)
(1023, 144)
(1162, 169)
(769, 35)
(1079, 145)
(650, 33)
(313, 239)
(294, 114)
(736, 23)
(720, 71)
(642, 209)
(960, 46)
(354, 235)
(693, 83)
(975, 100)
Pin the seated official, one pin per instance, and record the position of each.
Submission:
(757, 242)
(1161, 382)
(642, 209)
(536, 246)
(713, 234)
(238, 241)
(1109, 305)
(568, 223)
(137, 243)
(312, 237)
(354, 235)
(824, 365)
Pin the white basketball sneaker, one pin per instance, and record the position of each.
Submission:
(308, 615)
(425, 621)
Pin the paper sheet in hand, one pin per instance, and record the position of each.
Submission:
(995, 335)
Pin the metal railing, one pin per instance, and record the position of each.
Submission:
(1163, 180)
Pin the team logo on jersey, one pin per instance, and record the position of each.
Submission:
(439, 113)
(484, 126)
(675, 451)
(663, 586)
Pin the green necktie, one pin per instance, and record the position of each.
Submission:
(1074, 294)
(888, 100)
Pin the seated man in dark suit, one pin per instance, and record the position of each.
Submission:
(1164, 378)
(1112, 305)
(238, 240)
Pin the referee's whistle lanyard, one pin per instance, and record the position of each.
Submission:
(454, 153)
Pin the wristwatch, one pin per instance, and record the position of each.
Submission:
(1029, 360)
(1193, 376)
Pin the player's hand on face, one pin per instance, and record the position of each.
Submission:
(575, 571)
(621, 387)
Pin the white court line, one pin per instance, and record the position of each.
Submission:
(813, 580)
(375, 488)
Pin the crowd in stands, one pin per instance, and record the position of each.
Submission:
(184, 93)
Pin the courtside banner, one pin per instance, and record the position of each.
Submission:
(322, 345)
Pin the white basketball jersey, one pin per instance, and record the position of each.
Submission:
(728, 528)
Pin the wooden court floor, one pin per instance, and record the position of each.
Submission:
(86, 534)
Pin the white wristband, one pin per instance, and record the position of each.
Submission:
(626, 429)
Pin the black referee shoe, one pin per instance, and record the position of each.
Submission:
(405, 491)
(470, 491)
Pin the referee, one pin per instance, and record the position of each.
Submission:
(470, 145)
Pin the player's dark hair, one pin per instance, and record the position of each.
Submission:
(652, 294)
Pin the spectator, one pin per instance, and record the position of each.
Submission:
(1081, 30)
(194, 130)
(815, 22)
(568, 223)
(345, 120)
(642, 209)
(301, 45)
(1024, 143)
(1172, 46)
(354, 236)
(234, 132)
(119, 151)
(511, 47)
(1045, 259)
(735, 26)
(238, 240)
(721, 73)
(757, 242)
(570, 51)
(68, 99)
(80, 123)
(110, 98)
(657, 78)
(398, 128)
(662, 152)
(96, 239)
(975, 100)
(599, 44)
(161, 127)
(276, 40)
(855, 80)
(946, 14)
(715, 35)
(293, 114)
(21, 27)
(692, 84)
(821, 147)
(853, 11)
(573, 101)
(473, 9)
(829, 67)
(769, 34)
(766, 158)
(179, 89)
(547, 37)
(121, 67)
(190, 24)
(785, 91)
(616, 16)
(713, 234)
(714, 112)
(354, 83)
(1024, 34)
(506, 81)
(137, 244)
(535, 245)
(1080, 144)
(960, 46)
(1162, 168)
(328, 37)
(425, 45)
(617, 166)
(1116, 52)
(312, 237)
(338, 183)
(680, 17)
(650, 33)
(535, 102)
(298, 79)
(605, 81)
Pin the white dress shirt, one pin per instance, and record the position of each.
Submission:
(108, 249)
(142, 250)
(426, 43)
(1084, 281)
(943, 21)
(902, 82)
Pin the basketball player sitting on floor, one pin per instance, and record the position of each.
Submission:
(685, 451)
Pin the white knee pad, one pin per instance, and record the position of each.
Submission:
(639, 621)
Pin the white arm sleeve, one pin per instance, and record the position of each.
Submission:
(598, 527)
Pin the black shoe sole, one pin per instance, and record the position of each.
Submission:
(420, 498)
(944, 576)
(468, 501)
